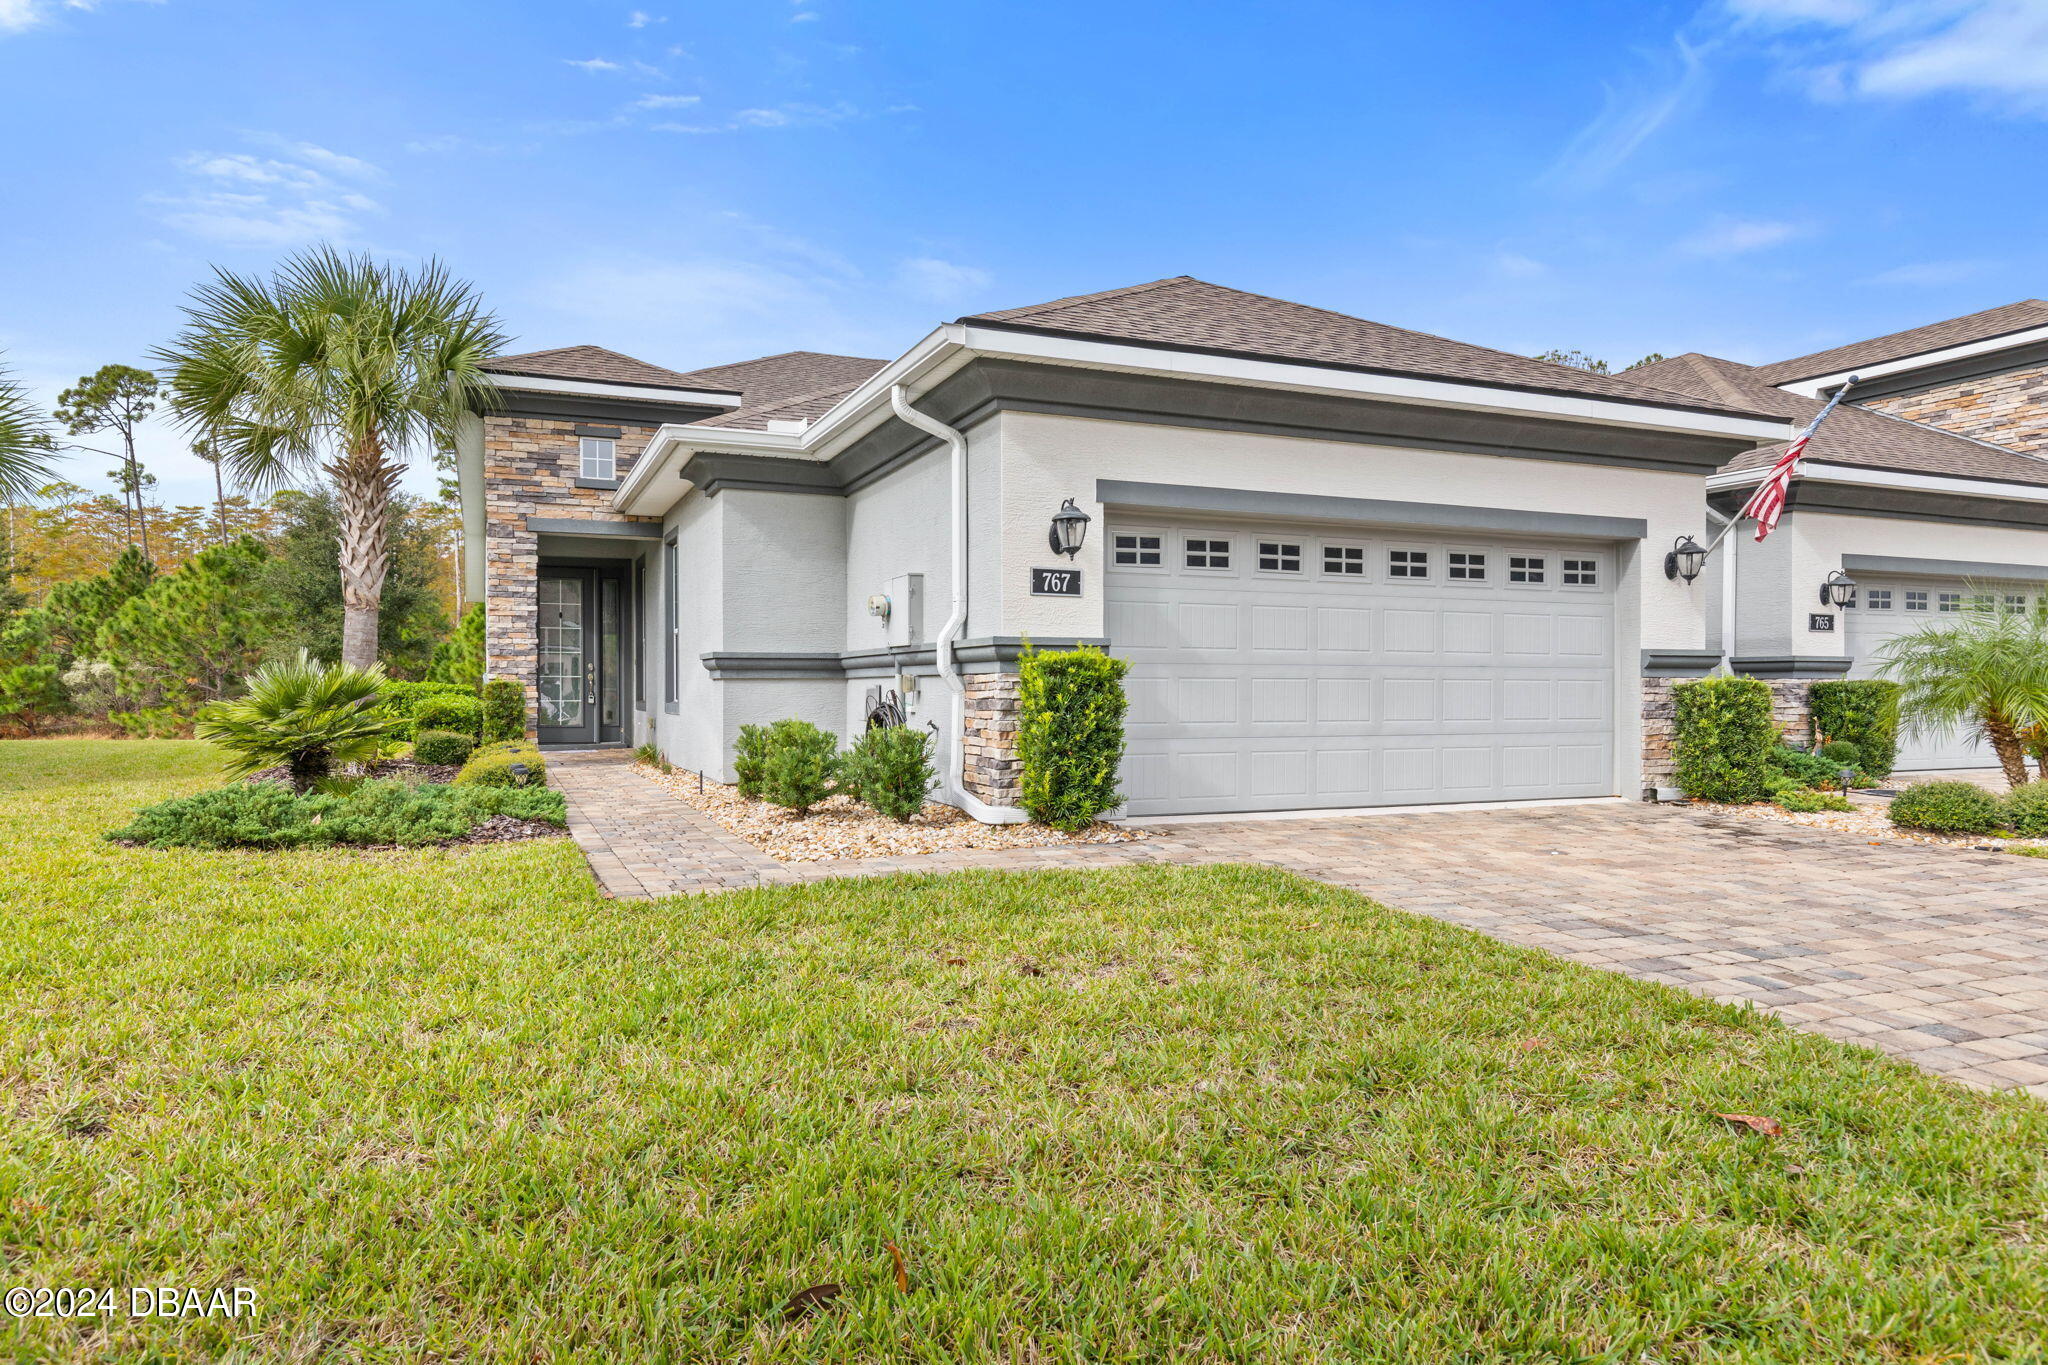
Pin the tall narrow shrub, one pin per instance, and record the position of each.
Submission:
(1862, 711)
(749, 759)
(504, 710)
(1724, 738)
(1070, 734)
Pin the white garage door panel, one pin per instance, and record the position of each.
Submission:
(1259, 690)
(1889, 607)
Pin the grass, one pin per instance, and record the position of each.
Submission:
(452, 1105)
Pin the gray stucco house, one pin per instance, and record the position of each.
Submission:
(1352, 565)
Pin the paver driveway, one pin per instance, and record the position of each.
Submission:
(1938, 955)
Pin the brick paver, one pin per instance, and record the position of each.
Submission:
(1937, 955)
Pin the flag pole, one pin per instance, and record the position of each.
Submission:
(1806, 435)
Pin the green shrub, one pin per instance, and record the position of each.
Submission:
(402, 699)
(647, 754)
(302, 714)
(890, 768)
(1948, 808)
(491, 766)
(1863, 712)
(2026, 810)
(749, 758)
(1841, 753)
(464, 715)
(443, 746)
(1810, 770)
(1070, 734)
(798, 769)
(1724, 738)
(504, 710)
(1807, 802)
(460, 658)
(270, 815)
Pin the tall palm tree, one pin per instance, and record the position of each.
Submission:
(1984, 667)
(26, 449)
(336, 365)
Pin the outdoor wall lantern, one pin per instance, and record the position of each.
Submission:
(1685, 559)
(1069, 529)
(1838, 591)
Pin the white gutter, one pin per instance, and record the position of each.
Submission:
(706, 398)
(1728, 582)
(1813, 472)
(1821, 383)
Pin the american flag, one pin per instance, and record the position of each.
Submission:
(1767, 504)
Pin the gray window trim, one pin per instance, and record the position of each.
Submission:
(1944, 568)
(671, 625)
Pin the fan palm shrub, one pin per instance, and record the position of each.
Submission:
(338, 365)
(1983, 668)
(302, 714)
(25, 445)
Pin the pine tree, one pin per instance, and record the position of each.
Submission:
(460, 657)
(79, 610)
(195, 633)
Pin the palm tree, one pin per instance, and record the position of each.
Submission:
(302, 715)
(341, 366)
(25, 445)
(1986, 668)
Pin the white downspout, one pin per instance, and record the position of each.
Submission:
(951, 787)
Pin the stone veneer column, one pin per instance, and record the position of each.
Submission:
(989, 766)
(1791, 712)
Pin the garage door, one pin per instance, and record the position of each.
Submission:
(1888, 607)
(1278, 669)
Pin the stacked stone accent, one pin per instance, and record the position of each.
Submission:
(1791, 711)
(530, 469)
(989, 766)
(2008, 409)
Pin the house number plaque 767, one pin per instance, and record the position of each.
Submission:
(1055, 582)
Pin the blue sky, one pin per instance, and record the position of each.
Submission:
(703, 182)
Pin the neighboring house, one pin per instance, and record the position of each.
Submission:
(1352, 565)
(1903, 490)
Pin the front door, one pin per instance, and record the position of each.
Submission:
(581, 676)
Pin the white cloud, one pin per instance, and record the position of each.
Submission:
(1737, 236)
(1931, 273)
(666, 101)
(778, 116)
(1994, 51)
(592, 64)
(805, 17)
(927, 277)
(18, 16)
(1634, 111)
(1516, 266)
(238, 199)
(640, 18)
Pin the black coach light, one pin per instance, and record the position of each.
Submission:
(1685, 559)
(1838, 591)
(1069, 529)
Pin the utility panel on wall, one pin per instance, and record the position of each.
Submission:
(906, 610)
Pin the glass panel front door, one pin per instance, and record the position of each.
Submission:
(580, 674)
(561, 680)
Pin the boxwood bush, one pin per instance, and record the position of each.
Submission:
(1948, 808)
(1070, 734)
(2026, 810)
(402, 699)
(504, 701)
(491, 766)
(1724, 738)
(268, 815)
(443, 747)
(461, 714)
(1863, 711)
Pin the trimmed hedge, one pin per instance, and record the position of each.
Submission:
(1949, 808)
(491, 766)
(1070, 734)
(443, 747)
(504, 701)
(268, 815)
(1862, 711)
(1724, 739)
(463, 715)
(403, 699)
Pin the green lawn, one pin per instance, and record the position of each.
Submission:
(451, 1105)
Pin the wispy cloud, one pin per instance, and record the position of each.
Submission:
(640, 18)
(777, 116)
(592, 64)
(928, 277)
(305, 193)
(19, 16)
(1931, 273)
(1635, 109)
(1728, 236)
(666, 101)
(1516, 266)
(1992, 51)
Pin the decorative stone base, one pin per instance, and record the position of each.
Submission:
(1791, 711)
(989, 766)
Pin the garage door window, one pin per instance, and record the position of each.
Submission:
(1916, 601)
(1279, 556)
(1581, 573)
(1466, 566)
(2016, 604)
(1346, 561)
(1407, 563)
(1878, 599)
(1136, 551)
(1208, 554)
(1951, 601)
(1525, 569)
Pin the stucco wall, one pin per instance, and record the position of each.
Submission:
(689, 730)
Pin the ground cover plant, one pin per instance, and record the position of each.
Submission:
(452, 1104)
(368, 814)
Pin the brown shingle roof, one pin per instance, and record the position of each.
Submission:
(1193, 314)
(1852, 436)
(778, 378)
(1992, 322)
(594, 364)
(808, 407)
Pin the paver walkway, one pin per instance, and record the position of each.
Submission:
(1937, 955)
